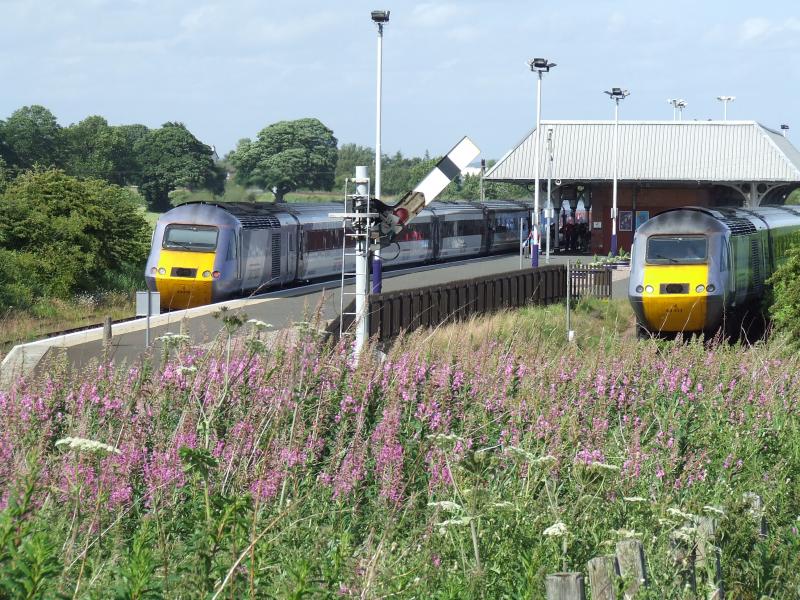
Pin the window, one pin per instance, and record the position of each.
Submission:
(194, 238)
(663, 249)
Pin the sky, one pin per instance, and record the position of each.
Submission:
(228, 69)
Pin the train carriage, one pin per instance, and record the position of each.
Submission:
(696, 269)
(207, 252)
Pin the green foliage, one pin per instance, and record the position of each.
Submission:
(60, 235)
(351, 156)
(286, 156)
(34, 137)
(785, 282)
(171, 157)
(94, 149)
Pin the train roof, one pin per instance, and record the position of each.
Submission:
(739, 221)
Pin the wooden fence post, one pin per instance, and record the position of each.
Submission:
(565, 586)
(107, 331)
(757, 512)
(708, 557)
(630, 556)
(603, 571)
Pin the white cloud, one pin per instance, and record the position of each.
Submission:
(431, 14)
(758, 28)
(755, 28)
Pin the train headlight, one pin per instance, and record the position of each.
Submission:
(649, 289)
(162, 271)
(711, 288)
(153, 271)
(639, 289)
(206, 273)
(700, 289)
(216, 274)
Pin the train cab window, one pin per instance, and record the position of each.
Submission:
(194, 238)
(671, 249)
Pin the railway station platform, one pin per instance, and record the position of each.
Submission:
(282, 309)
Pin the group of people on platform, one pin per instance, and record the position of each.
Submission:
(572, 237)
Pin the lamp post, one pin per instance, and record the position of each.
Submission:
(549, 210)
(784, 129)
(725, 100)
(380, 18)
(538, 66)
(677, 104)
(616, 94)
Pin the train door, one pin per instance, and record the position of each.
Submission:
(254, 257)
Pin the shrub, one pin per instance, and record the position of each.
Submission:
(60, 235)
(785, 308)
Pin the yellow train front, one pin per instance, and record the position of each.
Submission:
(695, 270)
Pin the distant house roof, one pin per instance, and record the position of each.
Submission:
(663, 151)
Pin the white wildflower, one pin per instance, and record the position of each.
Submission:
(685, 533)
(634, 499)
(625, 534)
(186, 370)
(545, 461)
(84, 445)
(714, 510)
(260, 325)
(442, 439)
(460, 521)
(504, 505)
(446, 505)
(556, 530)
(173, 337)
(678, 513)
(520, 454)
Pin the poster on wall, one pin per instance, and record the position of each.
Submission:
(641, 217)
(625, 220)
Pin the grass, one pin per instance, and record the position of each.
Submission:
(470, 463)
(52, 314)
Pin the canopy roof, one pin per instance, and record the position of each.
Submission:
(657, 151)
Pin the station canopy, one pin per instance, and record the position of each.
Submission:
(655, 151)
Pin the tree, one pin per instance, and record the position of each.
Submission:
(72, 234)
(171, 157)
(287, 156)
(351, 156)
(34, 137)
(95, 149)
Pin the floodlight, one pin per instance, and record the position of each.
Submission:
(380, 16)
(541, 64)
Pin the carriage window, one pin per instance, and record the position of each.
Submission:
(669, 249)
(195, 238)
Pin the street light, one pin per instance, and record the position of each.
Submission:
(380, 17)
(616, 94)
(538, 66)
(679, 104)
(784, 129)
(725, 100)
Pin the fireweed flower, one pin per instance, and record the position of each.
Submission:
(84, 445)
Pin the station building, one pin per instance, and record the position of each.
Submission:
(660, 165)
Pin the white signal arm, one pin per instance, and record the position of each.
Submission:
(394, 218)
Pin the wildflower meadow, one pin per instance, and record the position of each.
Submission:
(468, 462)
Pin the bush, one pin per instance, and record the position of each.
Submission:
(60, 235)
(785, 306)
